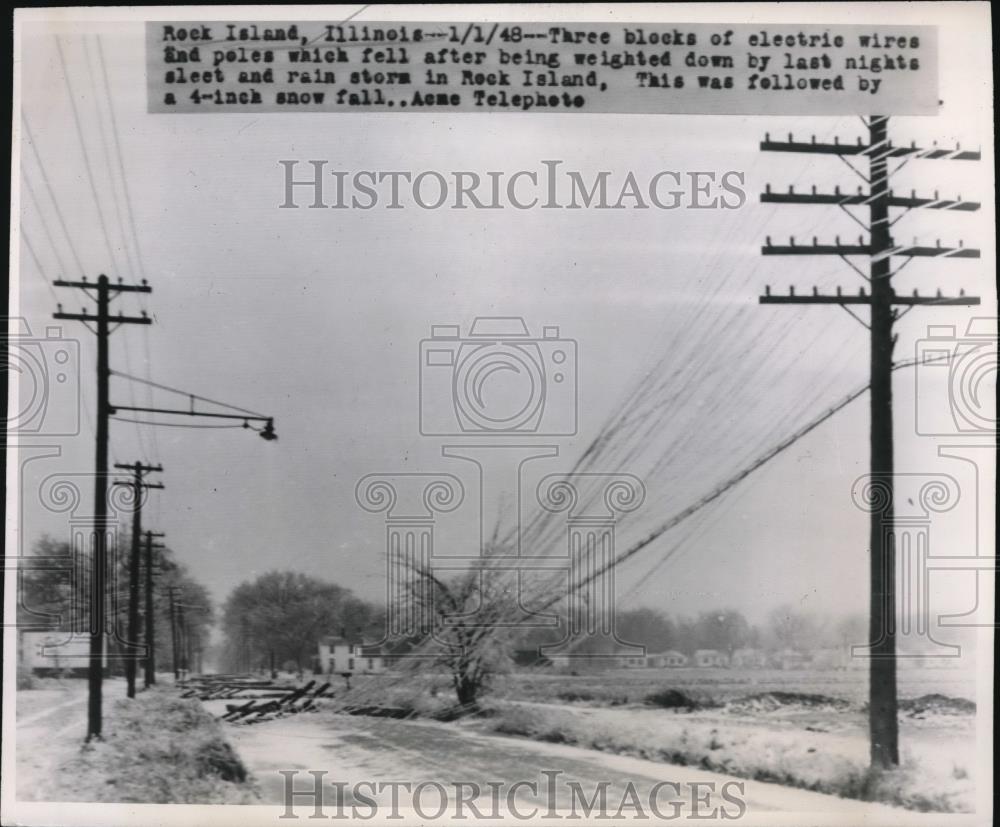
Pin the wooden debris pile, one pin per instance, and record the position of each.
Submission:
(264, 699)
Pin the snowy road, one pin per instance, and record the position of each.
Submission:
(355, 749)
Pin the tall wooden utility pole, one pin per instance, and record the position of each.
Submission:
(103, 319)
(882, 301)
(138, 472)
(150, 636)
(173, 632)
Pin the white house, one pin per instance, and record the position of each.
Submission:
(710, 657)
(748, 658)
(668, 658)
(338, 656)
(791, 659)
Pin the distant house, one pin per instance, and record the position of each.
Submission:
(790, 659)
(710, 657)
(748, 658)
(670, 658)
(338, 656)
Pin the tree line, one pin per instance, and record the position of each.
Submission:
(54, 598)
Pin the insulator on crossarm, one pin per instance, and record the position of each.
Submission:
(791, 189)
(767, 241)
(937, 242)
(812, 139)
(767, 137)
(961, 243)
(791, 241)
(790, 139)
(791, 290)
(767, 289)
(814, 241)
(913, 144)
(813, 189)
(120, 280)
(836, 190)
(59, 308)
(836, 140)
(935, 195)
(861, 241)
(913, 193)
(836, 240)
(767, 188)
(958, 146)
(815, 291)
(939, 292)
(861, 292)
(838, 291)
(859, 190)
(961, 292)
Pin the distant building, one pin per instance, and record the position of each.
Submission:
(670, 658)
(710, 657)
(748, 658)
(790, 659)
(338, 656)
(57, 653)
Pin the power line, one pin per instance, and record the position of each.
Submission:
(38, 264)
(175, 424)
(188, 395)
(41, 217)
(48, 186)
(130, 212)
(86, 155)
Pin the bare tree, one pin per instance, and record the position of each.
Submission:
(467, 625)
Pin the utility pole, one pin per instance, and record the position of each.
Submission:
(150, 665)
(98, 597)
(882, 300)
(182, 638)
(138, 472)
(173, 632)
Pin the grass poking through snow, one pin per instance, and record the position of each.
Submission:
(157, 748)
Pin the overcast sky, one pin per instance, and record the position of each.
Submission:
(315, 317)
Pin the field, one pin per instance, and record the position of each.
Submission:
(624, 686)
(805, 729)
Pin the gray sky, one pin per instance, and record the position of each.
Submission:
(316, 317)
